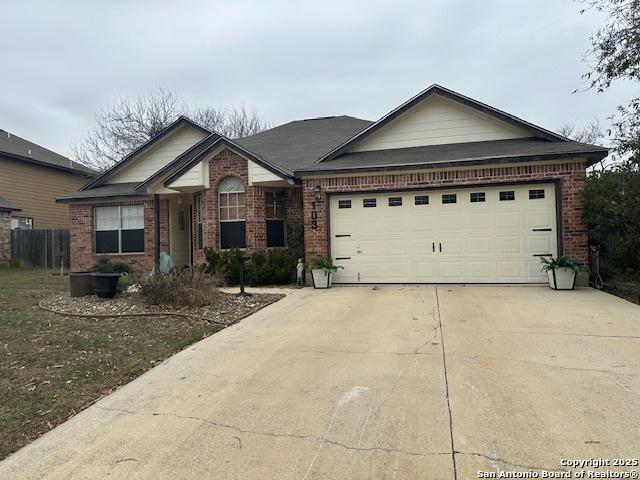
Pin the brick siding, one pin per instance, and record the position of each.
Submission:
(571, 175)
(83, 239)
(229, 164)
(5, 238)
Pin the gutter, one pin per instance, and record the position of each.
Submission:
(595, 155)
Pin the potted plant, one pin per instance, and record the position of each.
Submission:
(562, 271)
(321, 272)
(106, 275)
(81, 284)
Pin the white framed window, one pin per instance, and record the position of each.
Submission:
(232, 213)
(119, 229)
(21, 223)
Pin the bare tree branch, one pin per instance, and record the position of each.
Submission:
(126, 123)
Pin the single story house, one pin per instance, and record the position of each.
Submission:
(443, 188)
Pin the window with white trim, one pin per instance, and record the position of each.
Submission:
(274, 210)
(119, 229)
(232, 213)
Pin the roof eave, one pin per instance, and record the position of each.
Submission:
(106, 198)
(592, 158)
(41, 163)
(161, 134)
(236, 148)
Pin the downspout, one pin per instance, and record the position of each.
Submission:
(156, 199)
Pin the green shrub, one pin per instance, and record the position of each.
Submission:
(184, 288)
(274, 267)
(611, 211)
(225, 265)
(105, 265)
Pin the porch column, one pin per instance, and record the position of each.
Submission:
(156, 200)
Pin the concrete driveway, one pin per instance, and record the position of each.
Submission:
(372, 382)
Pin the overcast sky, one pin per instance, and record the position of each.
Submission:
(62, 61)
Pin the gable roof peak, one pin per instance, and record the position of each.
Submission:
(436, 89)
(178, 122)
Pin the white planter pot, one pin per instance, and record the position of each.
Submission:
(321, 279)
(562, 278)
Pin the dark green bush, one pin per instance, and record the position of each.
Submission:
(225, 265)
(611, 210)
(274, 267)
(105, 265)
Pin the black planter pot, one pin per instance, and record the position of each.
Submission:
(81, 284)
(105, 284)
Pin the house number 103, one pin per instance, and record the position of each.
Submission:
(314, 216)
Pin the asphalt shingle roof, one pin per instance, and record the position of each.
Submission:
(16, 146)
(455, 153)
(109, 190)
(7, 206)
(300, 143)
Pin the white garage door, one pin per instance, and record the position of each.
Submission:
(467, 235)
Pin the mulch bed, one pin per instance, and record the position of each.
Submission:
(626, 288)
(225, 308)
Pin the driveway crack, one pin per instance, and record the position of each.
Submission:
(271, 434)
(446, 385)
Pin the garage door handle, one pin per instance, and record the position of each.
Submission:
(440, 246)
(543, 254)
(343, 258)
(541, 229)
(342, 235)
(433, 247)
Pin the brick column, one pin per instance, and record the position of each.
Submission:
(5, 239)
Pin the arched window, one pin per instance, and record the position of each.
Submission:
(232, 213)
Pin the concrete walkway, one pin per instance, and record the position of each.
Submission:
(358, 383)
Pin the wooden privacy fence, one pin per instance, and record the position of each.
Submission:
(40, 248)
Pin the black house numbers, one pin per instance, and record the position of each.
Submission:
(314, 216)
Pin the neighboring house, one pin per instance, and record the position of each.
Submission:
(31, 177)
(6, 209)
(441, 189)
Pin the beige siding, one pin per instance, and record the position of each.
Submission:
(34, 189)
(438, 121)
(258, 174)
(197, 176)
(157, 156)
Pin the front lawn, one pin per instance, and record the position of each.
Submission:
(51, 367)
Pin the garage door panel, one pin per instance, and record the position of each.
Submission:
(452, 271)
(481, 270)
(480, 221)
(508, 220)
(450, 221)
(511, 244)
(536, 245)
(539, 219)
(511, 270)
(490, 241)
(480, 245)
